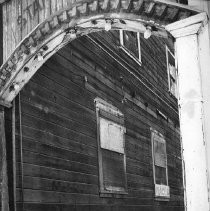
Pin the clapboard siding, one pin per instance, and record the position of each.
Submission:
(58, 130)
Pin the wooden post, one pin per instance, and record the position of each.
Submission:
(3, 166)
(192, 49)
(1, 36)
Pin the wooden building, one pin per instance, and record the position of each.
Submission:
(93, 86)
(97, 126)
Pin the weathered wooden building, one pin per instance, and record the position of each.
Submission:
(97, 126)
(85, 124)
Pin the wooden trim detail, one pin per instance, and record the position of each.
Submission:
(79, 19)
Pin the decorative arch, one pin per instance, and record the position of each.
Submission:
(79, 19)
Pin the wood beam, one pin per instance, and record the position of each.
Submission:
(192, 40)
(3, 166)
(1, 36)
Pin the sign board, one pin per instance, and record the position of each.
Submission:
(162, 191)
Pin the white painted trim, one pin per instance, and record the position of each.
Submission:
(169, 74)
(186, 31)
(127, 51)
(139, 46)
(188, 25)
(191, 121)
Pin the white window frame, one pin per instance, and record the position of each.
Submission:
(162, 192)
(170, 75)
(113, 111)
(127, 51)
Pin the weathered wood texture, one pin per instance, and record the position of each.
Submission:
(10, 150)
(20, 17)
(58, 122)
(4, 204)
(1, 36)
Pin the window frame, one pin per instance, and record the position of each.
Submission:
(168, 51)
(127, 51)
(181, 2)
(107, 107)
(158, 187)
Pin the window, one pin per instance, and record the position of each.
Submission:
(182, 2)
(130, 43)
(111, 150)
(160, 170)
(172, 74)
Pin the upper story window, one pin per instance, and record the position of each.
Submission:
(111, 149)
(182, 1)
(160, 170)
(172, 73)
(130, 42)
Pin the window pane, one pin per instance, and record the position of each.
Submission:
(111, 136)
(159, 153)
(160, 175)
(183, 1)
(113, 170)
(173, 86)
(131, 42)
(172, 71)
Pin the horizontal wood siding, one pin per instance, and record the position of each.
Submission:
(59, 168)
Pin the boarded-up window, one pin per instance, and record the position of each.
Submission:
(172, 74)
(160, 165)
(111, 152)
(130, 42)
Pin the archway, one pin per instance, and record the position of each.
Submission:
(82, 18)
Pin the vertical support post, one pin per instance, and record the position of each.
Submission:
(1, 35)
(204, 53)
(3, 166)
(192, 123)
(193, 57)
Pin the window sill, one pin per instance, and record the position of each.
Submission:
(158, 198)
(114, 194)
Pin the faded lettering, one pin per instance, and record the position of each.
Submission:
(28, 13)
